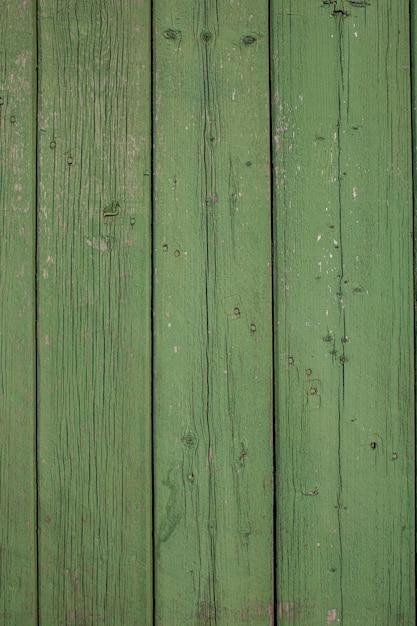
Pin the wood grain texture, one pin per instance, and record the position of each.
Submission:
(344, 350)
(95, 507)
(17, 313)
(212, 312)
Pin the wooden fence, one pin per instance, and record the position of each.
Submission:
(206, 312)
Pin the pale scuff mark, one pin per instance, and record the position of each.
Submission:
(331, 616)
(286, 610)
(271, 614)
(209, 457)
(98, 244)
(21, 60)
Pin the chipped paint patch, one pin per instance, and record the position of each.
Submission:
(331, 616)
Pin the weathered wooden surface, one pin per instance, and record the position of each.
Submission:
(94, 313)
(17, 314)
(337, 74)
(212, 315)
(344, 349)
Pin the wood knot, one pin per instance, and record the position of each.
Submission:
(206, 36)
(172, 34)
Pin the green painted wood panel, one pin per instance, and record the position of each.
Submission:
(343, 288)
(344, 331)
(212, 314)
(17, 313)
(95, 508)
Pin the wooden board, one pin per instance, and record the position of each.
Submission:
(17, 313)
(344, 293)
(95, 507)
(212, 314)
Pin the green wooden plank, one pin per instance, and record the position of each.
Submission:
(212, 312)
(17, 313)
(344, 357)
(95, 507)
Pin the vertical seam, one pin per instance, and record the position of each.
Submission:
(152, 297)
(273, 320)
(36, 81)
(413, 104)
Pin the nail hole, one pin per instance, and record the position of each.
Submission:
(248, 40)
(394, 456)
(291, 360)
(133, 221)
(373, 445)
(309, 371)
(253, 327)
(111, 210)
(70, 161)
(13, 119)
(52, 144)
(165, 248)
(177, 253)
(236, 311)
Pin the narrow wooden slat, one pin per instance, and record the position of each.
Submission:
(344, 357)
(212, 308)
(95, 505)
(17, 313)
(377, 434)
(304, 127)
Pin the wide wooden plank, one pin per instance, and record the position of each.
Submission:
(344, 350)
(212, 314)
(17, 313)
(94, 270)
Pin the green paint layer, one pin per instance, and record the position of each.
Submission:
(94, 313)
(344, 294)
(337, 282)
(17, 314)
(212, 311)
